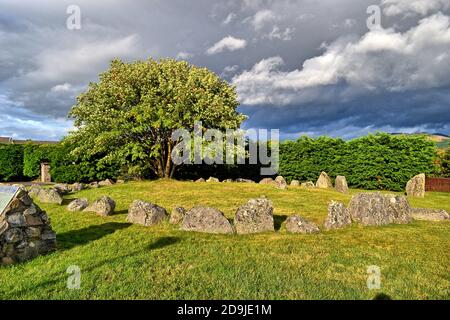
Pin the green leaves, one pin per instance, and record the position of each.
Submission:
(134, 108)
(380, 161)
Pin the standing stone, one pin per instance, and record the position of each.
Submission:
(416, 186)
(297, 224)
(78, 205)
(308, 185)
(295, 183)
(429, 214)
(267, 181)
(208, 220)
(338, 216)
(376, 209)
(341, 184)
(103, 206)
(177, 215)
(212, 179)
(280, 183)
(255, 216)
(146, 213)
(324, 181)
(50, 196)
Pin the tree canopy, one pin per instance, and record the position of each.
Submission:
(129, 115)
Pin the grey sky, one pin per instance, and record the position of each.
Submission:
(301, 66)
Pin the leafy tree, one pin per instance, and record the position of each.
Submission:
(11, 162)
(129, 115)
(445, 163)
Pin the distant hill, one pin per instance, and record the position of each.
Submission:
(442, 140)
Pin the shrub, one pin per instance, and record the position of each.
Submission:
(380, 161)
(11, 162)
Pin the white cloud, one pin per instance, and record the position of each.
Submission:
(406, 7)
(62, 87)
(261, 18)
(381, 59)
(183, 55)
(228, 43)
(230, 17)
(276, 33)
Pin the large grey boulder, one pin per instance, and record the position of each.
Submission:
(297, 224)
(94, 185)
(177, 215)
(76, 187)
(62, 188)
(280, 183)
(103, 206)
(106, 183)
(338, 216)
(78, 205)
(324, 181)
(429, 214)
(295, 183)
(146, 213)
(50, 196)
(416, 186)
(208, 220)
(376, 209)
(267, 181)
(241, 180)
(341, 184)
(200, 180)
(212, 179)
(255, 216)
(308, 185)
(34, 190)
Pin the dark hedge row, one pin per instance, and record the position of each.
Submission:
(380, 161)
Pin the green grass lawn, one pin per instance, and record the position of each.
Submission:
(123, 261)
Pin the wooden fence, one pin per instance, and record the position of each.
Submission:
(437, 184)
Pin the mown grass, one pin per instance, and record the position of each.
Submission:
(123, 261)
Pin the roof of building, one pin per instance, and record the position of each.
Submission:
(8, 140)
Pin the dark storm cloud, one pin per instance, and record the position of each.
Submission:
(44, 66)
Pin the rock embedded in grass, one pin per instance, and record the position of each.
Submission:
(34, 190)
(78, 205)
(146, 213)
(200, 180)
(103, 206)
(295, 183)
(106, 183)
(338, 216)
(308, 185)
(94, 185)
(212, 179)
(267, 181)
(376, 209)
(241, 180)
(255, 216)
(429, 214)
(324, 181)
(76, 187)
(227, 180)
(415, 187)
(50, 196)
(297, 224)
(341, 184)
(280, 183)
(207, 220)
(62, 188)
(177, 215)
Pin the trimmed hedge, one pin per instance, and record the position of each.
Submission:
(380, 161)
(11, 162)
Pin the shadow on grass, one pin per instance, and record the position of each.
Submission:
(278, 221)
(382, 296)
(66, 201)
(73, 238)
(60, 278)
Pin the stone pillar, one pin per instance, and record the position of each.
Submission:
(45, 172)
